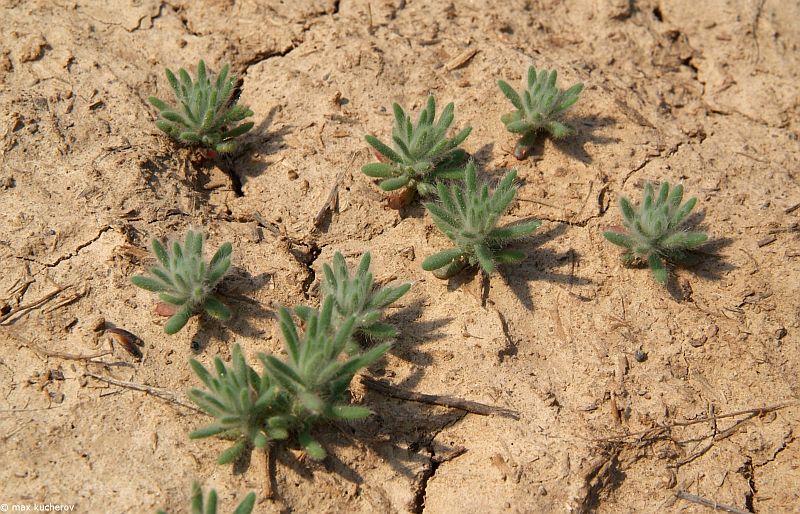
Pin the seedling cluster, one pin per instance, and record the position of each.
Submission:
(421, 154)
(326, 347)
(468, 216)
(207, 113)
(653, 232)
(539, 107)
(185, 280)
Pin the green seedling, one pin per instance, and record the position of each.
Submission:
(653, 232)
(468, 215)
(356, 296)
(421, 153)
(314, 379)
(207, 113)
(244, 403)
(210, 505)
(183, 279)
(539, 107)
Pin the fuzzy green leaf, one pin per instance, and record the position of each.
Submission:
(378, 170)
(351, 412)
(441, 259)
(619, 239)
(231, 453)
(657, 267)
(391, 184)
(156, 286)
(177, 321)
(216, 309)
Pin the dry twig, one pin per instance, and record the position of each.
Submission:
(158, 392)
(435, 399)
(709, 503)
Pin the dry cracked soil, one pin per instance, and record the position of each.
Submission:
(631, 397)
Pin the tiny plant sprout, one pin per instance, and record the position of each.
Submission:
(210, 505)
(468, 214)
(185, 280)
(653, 232)
(539, 106)
(356, 296)
(421, 153)
(243, 402)
(314, 379)
(207, 113)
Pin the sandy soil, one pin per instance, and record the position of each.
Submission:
(703, 95)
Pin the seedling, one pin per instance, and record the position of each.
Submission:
(207, 113)
(538, 107)
(210, 506)
(314, 380)
(358, 297)
(243, 402)
(468, 215)
(185, 280)
(421, 153)
(653, 232)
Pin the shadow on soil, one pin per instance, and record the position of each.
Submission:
(539, 265)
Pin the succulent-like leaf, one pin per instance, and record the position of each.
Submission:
(185, 280)
(654, 232)
(420, 153)
(539, 107)
(468, 215)
(207, 116)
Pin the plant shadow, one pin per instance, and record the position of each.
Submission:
(233, 291)
(258, 141)
(421, 332)
(706, 262)
(538, 266)
(574, 146)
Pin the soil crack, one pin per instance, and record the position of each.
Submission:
(70, 255)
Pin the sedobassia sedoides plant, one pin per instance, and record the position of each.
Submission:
(207, 113)
(315, 378)
(358, 297)
(468, 214)
(291, 395)
(244, 403)
(210, 505)
(421, 153)
(539, 106)
(184, 280)
(653, 232)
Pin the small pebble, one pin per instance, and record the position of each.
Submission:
(640, 356)
(780, 333)
(697, 342)
(98, 324)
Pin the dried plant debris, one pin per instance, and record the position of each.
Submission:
(539, 106)
(185, 280)
(468, 214)
(207, 113)
(209, 506)
(421, 153)
(653, 233)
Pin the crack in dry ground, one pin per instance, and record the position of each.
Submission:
(68, 256)
(421, 488)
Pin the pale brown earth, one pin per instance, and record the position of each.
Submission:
(704, 93)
